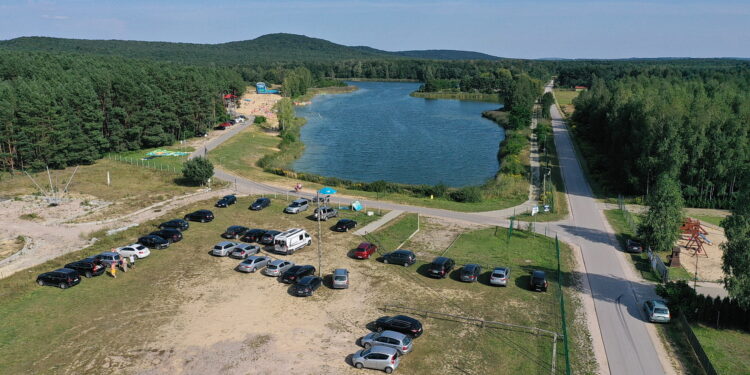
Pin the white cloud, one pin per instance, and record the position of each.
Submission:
(54, 17)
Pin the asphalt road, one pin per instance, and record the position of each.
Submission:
(617, 295)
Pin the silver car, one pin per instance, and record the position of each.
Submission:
(500, 276)
(277, 267)
(223, 248)
(657, 311)
(340, 278)
(378, 357)
(244, 250)
(253, 263)
(393, 339)
(297, 206)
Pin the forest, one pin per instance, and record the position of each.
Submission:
(690, 122)
(59, 110)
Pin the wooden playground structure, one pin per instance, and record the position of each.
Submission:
(696, 236)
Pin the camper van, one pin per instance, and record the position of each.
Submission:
(291, 240)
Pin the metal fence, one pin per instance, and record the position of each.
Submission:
(145, 163)
(563, 325)
(658, 266)
(708, 367)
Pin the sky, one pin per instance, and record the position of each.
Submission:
(518, 29)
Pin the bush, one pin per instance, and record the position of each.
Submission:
(680, 298)
(197, 171)
(259, 120)
(469, 194)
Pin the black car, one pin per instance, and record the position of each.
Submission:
(294, 274)
(268, 237)
(179, 224)
(253, 235)
(401, 256)
(200, 215)
(306, 286)
(63, 278)
(235, 232)
(400, 323)
(226, 201)
(470, 272)
(440, 267)
(260, 204)
(538, 281)
(171, 235)
(154, 242)
(633, 247)
(88, 267)
(344, 225)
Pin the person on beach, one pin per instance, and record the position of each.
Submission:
(124, 264)
(132, 261)
(113, 270)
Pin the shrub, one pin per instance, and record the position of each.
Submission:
(259, 120)
(469, 194)
(197, 171)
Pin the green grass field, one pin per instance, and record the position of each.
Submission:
(394, 233)
(715, 220)
(728, 350)
(170, 163)
(240, 153)
(565, 96)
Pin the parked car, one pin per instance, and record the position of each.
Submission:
(294, 273)
(223, 126)
(340, 278)
(253, 263)
(657, 311)
(400, 323)
(633, 247)
(260, 204)
(153, 242)
(344, 225)
(400, 256)
(226, 201)
(538, 281)
(203, 216)
(88, 267)
(440, 267)
(277, 267)
(136, 249)
(253, 235)
(325, 213)
(392, 339)
(297, 206)
(378, 358)
(62, 278)
(223, 248)
(178, 224)
(108, 257)
(244, 250)
(306, 286)
(171, 235)
(234, 232)
(500, 276)
(268, 237)
(470, 272)
(364, 250)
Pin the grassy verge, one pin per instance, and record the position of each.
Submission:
(472, 96)
(715, 220)
(239, 155)
(679, 347)
(565, 96)
(728, 350)
(518, 351)
(394, 233)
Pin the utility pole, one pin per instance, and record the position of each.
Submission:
(320, 237)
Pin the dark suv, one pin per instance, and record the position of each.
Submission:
(153, 242)
(253, 235)
(440, 267)
(470, 272)
(400, 323)
(234, 232)
(307, 286)
(294, 274)
(538, 281)
(226, 201)
(344, 225)
(401, 256)
(88, 267)
(169, 234)
(178, 224)
(268, 237)
(63, 278)
(200, 215)
(260, 204)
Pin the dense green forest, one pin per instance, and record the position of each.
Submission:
(688, 121)
(269, 48)
(60, 110)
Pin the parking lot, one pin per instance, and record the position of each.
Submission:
(182, 310)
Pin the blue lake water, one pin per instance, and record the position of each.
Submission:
(379, 132)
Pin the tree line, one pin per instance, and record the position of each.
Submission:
(58, 110)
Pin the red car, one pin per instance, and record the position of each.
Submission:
(223, 125)
(364, 250)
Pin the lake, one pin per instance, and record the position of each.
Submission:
(379, 132)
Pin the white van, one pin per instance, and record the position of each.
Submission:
(291, 240)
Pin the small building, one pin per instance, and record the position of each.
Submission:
(581, 88)
(261, 88)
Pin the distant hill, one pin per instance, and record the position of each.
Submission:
(266, 48)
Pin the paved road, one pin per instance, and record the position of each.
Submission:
(628, 344)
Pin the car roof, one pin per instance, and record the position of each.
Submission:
(365, 244)
(406, 318)
(224, 243)
(236, 227)
(300, 200)
(244, 246)
(109, 253)
(403, 251)
(255, 257)
(393, 334)
(307, 279)
(658, 303)
(500, 269)
(262, 199)
(340, 271)
(539, 273)
(228, 196)
(203, 211)
(277, 262)
(471, 266)
(383, 350)
(345, 220)
(65, 270)
(440, 260)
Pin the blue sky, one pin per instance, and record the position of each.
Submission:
(522, 28)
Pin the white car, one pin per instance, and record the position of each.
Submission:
(136, 249)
